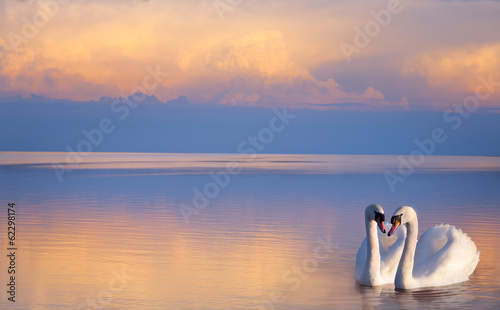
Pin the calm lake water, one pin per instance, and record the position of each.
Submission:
(185, 231)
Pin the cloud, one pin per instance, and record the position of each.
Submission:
(256, 69)
(458, 70)
(262, 53)
(25, 72)
(457, 67)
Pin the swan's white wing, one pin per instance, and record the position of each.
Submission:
(444, 255)
(433, 240)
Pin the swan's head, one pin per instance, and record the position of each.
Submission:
(376, 213)
(401, 216)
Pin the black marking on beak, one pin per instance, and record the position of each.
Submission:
(396, 218)
(379, 217)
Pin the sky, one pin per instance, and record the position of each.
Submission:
(203, 128)
(320, 54)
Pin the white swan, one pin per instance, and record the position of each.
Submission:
(378, 256)
(444, 255)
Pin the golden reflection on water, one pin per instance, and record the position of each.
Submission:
(245, 249)
(169, 262)
(170, 265)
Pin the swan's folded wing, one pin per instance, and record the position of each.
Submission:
(444, 255)
(433, 240)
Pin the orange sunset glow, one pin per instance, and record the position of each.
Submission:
(252, 53)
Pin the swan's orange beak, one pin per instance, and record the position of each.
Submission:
(381, 226)
(395, 225)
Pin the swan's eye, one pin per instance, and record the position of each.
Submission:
(379, 217)
(396, 218)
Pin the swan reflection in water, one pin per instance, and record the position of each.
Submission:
(455, 296)
(374, 296)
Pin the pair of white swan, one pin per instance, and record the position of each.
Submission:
(444, 255)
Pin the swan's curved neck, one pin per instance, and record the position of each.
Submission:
(372, 266)
(404, 275)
